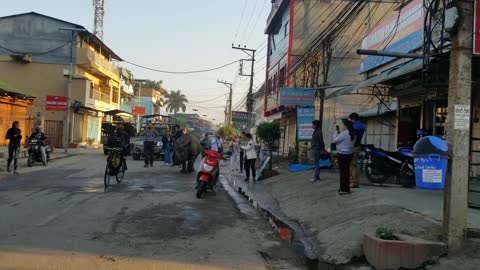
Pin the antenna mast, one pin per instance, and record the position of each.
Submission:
(99, 6)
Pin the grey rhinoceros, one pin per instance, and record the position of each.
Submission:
(187, 149)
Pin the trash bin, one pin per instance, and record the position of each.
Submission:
(431, 159)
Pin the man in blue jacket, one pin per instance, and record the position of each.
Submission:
(359, 128)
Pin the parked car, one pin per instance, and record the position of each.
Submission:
(138, 152)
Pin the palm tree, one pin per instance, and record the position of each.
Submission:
(176, 101)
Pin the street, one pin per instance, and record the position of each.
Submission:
(60, 217)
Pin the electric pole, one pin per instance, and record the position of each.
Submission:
(228, 118)
(458, 136)
(251, 53)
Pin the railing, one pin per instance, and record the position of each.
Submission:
(87, 56)
(96, 95)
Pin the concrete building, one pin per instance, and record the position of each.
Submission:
(36, 56)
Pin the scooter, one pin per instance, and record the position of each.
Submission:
(34, 153)
(381, 165)
(209, 172)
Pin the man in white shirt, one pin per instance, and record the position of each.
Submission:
(217, 143)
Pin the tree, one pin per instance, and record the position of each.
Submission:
(153, 84)
(226, 131)
(180, 120)
(176, 101)
(269, 132)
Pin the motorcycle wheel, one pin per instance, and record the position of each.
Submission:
(374, 176)
(201, 188)
(106, 178)
(120, 175)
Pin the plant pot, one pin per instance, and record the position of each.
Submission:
(408, 252)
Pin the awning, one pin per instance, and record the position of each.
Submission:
(118, 112)
(377, 110)
(11, 91)
(387, 75)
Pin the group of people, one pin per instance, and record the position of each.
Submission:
(243, 152)
(348, 141)
(14, 137)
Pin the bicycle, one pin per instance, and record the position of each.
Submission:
(115, 166)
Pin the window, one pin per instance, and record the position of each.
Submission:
(286, 30)
(115, 95)
(269, 87)
(283, 77)
(275, 83)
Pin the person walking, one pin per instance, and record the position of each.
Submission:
(149, 144)
(344, 141)
(317, 147)
(242, 152)
(14, 135)
(167, 148)
(359, 129)
(234, 158)
(250, 157)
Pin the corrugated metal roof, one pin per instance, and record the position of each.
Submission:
(15, 91)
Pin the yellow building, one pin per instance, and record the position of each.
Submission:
(35, 55)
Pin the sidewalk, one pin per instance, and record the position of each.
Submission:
(330, 227)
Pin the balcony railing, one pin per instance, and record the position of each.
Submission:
(97, 95)
(85, 56)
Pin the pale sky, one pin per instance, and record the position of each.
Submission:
(175, 36)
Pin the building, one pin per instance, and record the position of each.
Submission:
(37, 47)
(13, 107)
(149, 98)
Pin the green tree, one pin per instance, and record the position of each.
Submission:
(153, 84)
(269, 132)
(226, 131)
(176, 102)
(180, 120)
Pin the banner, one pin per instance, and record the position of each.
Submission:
(297, 96)
(138, 110)
(401, 33)
(239, 117)
(305, 116)
(56, 103)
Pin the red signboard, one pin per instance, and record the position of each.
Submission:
(476, 29)
(137, 110)
(56, 103)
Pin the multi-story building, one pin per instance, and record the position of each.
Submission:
(149, 98)
(35, 55)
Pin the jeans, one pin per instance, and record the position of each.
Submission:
(242, 154)
(167, 155)
(44, 154)
(316, 159)
(250, 164)
(13, 153)
(344, 161)
(354, 174)
(148, 149)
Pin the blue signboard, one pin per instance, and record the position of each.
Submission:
(297, 96)
(305, 116)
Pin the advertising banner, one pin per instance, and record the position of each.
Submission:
(138, 110)
(401, 32)
(56, 103)
(239, 117)
(297, 96)
(305, 116)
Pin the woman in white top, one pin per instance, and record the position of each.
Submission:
(235, 148)
(344, 141)
(250, 157)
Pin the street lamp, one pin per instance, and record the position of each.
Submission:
(69, 87)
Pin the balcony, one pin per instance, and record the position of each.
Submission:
(96, 64)
(92, 97)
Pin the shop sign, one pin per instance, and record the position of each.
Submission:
(138, 110)
(305, 117)
(56, 103)
(239, 117)
(401, 33)
(297, 96)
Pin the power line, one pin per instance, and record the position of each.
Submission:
(182, 72)
(240, 22)
(249, 20)
(256, 21)
(203, 101)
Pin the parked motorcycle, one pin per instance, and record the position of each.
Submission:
(34, 152)
(381, 165)
(209, 172)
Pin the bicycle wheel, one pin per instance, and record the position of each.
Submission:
(106, 178)
(120, 175)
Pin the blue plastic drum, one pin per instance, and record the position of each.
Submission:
(431, 161)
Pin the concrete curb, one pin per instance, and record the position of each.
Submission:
(302, 242)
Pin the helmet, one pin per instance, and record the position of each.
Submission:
(422, 133)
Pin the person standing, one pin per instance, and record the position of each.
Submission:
(14, 135)
(317, 147)
(359, 129)
(217, 144)
(178, 132)
(250, 157)
(167, 147)
(149, 144)
(242, 152)
(345, 141)
(235, 148)
(205, 143)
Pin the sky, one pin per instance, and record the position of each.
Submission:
(176, 36)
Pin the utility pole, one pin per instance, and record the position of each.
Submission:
(228, 119)
(458, 136)
(74, 32)
(326, 60)
(251, 53)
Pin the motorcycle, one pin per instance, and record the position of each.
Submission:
(381, 165)
(34, 152)
(209, 172)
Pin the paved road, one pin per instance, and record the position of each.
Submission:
(60, 217)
